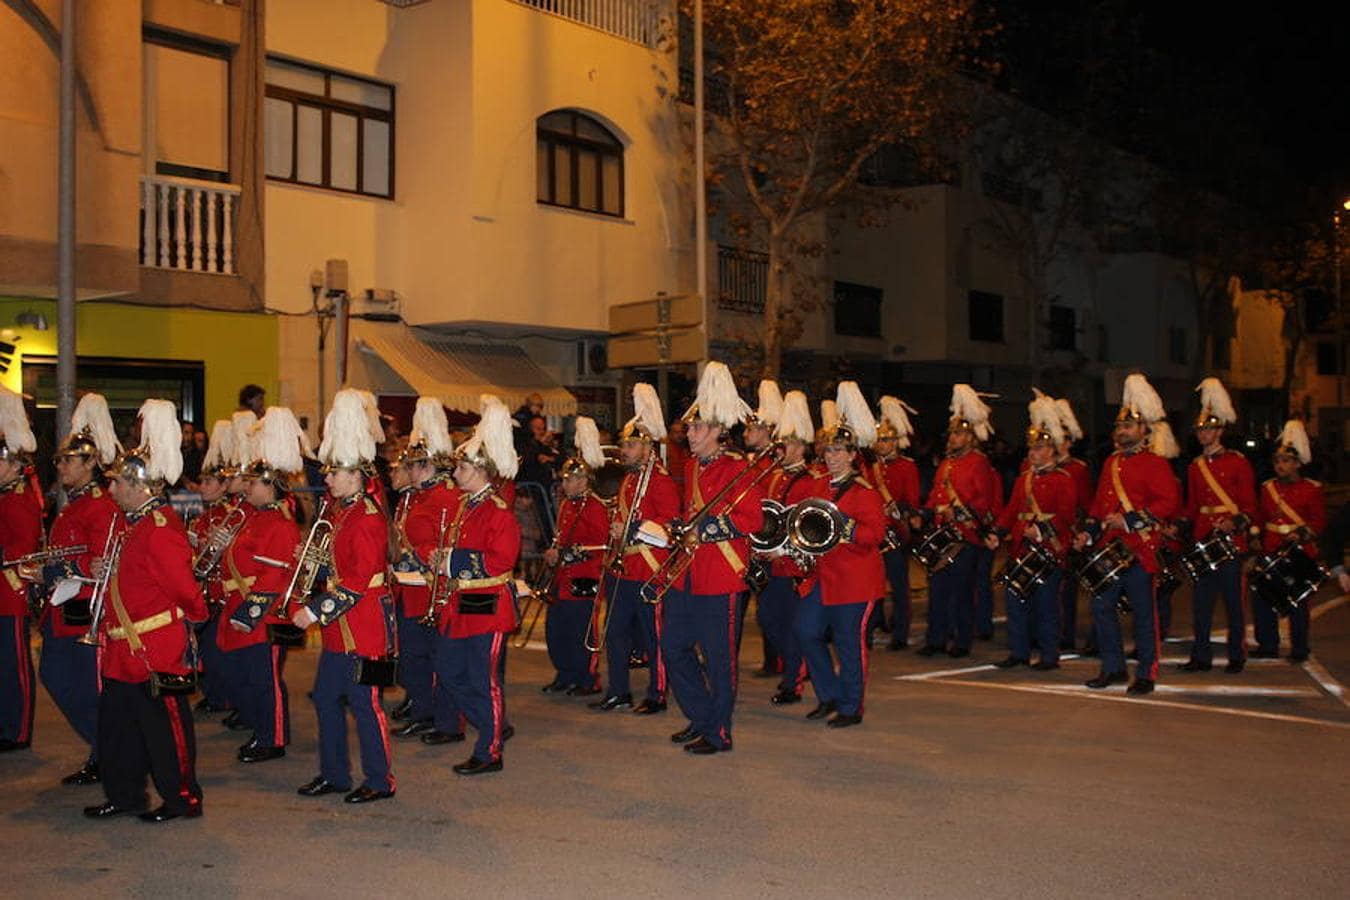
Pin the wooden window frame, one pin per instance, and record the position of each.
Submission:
(573, 143)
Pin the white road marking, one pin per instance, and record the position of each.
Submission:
(1201, 690)
(1325, 680)
(1323, 608)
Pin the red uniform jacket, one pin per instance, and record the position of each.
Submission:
(271, 532)
(963, 491)
(1304, 499)
(853, 571)
(723, 550)
(199, 530)
(421, 532)
(154, 581)
(1234, 475)
(660, 504)
(1082, 482)
(901, 477)
(353, 612)
(789, 487)
(677, 462)
(995, 486)
(482, 561)
(83, 521)
(582, 522)
(1153, 493)
(1056, 506)
(20, 534)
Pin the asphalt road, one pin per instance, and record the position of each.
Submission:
(966, 783)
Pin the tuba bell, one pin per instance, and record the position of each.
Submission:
(814, 526)
(772, 537)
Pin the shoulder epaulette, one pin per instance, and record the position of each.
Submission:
(372, 508)
(497, 499)
(1314, 482)
(863, 482)
(160, 519)
(733, 454)
(96, 491)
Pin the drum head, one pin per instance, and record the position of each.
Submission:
(608, 478)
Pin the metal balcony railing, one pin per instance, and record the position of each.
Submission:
(640, 21)
(742, 279)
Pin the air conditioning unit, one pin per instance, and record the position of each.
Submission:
(592, 357)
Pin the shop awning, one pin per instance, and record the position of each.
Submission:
(391, 358)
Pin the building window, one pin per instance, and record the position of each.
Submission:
(1063, 327)
(1177, 350)
(986, 316)
(579, 164)
(857, 310)
(186, 98)
(329, 130)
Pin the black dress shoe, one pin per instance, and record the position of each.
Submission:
(1012, 662)
(577, 690)
(436, 738)
(508, 732)
(6, 745)
(1235, 666)
(207, 707)
(234, 723)
(260, 753)
(1264, 654)
(929, 650)
(704, 747)
(554, 687)
(649, 707)
(612, 702)
(1140, 686)
(897, 645)
(1301, 656)
(400, 712)
(1195, 665)
(1106, 679)
(109, 809)
(637, 660)
(958, 652)
(86, 774)
(822, 710)
(839, 720)
(1133, 654)
(366, 795)
(475, 766)
(164, 814)
(318, 787)
(1066, 644)
(1089, 650)
(783, 698)
(413, 729)
(684, 735)
(1045, 665)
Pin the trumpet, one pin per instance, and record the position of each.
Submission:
(218, 539)
(314, 554)
(442, 586)
(112, 553)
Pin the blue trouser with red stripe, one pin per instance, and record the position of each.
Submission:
(1227, 581)
(1068, 611)
(631, 614)
(18, 689)
(335, 686)
(565, 631)
(473, 669)
(984, 591)
(259, 692)
(1137, 585)
(706, 691)
(842, 624)
(69, 672)
(1040, 610)
(214, 688)
(1267, 623)
(897, 574)
(430, 698)
(778, 604)
(951, 595)
(138, 735)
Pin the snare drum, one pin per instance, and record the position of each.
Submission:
(1206, 556)
(1029, 571)
(1287, 578)
(938, 548)
(1104, 566)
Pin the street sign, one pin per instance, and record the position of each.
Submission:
(679, 311)
(684, 345)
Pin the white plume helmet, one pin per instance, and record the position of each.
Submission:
(220, 453)
(895, 420)
(587, 441)
(1140, 401)
(161, 445)
(969, 412)
(648, 419)
(15, 432)
(1162, 442)
(279, 441)
(1045, 420)
(1216, 407)
(795, 421)
(348, 442)
(431, 428)
(492, 446)
(770, 403)
(91, 429)
(1294, 441)
(717, 402)
(372, 408)
(829, 415)
(1068, 419)
(243, 422)
(856, 425)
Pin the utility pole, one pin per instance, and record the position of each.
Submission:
(65, 230)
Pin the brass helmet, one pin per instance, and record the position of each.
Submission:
(1216, 407)
(348, 434)
(1139, 402)
(158, 460)
(717, 402)
(91, 433)
(429, 440)
(281, 446)
(649, 422)
(969, 412)
(856, 428)
(1294, 442)
(589, 456)
(1045, 426)
(491, 448)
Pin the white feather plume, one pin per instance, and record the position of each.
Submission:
(14, 427)
(1296, 436)
(896, 412)
(493, 434)
(829, 414)
(1162, 441)
(161, 440)
(220, 451)
(647, 411)
(967, 405)
(243, 422)
(1140, 396)
(92, 415)
(1068, 419)
(1044, 416)
(347, 437)
(372, 408)
(430, 426)
(587, 440)
(717, 401)
(279, 440)
(770, 402)
(855, 413)
(1214, 400)
(795, 421)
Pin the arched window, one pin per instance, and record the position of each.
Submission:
(579, 164)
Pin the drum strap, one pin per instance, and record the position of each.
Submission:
(953, 496)
(1284, 507)
(1224, 499)
(1124, 498)
(1036, 507)
(879, 472)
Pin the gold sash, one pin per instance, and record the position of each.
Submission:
(729, 554)
(1227, 502)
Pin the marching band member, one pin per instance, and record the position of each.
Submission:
(479, 608)
(984, 558)
(1041, 510)
(759, 428)
(148, 661)
(779, 600)
(848, 579)
(69, 667)
(354, 611)
(428, 505)
(1083, 488)
(20, 534)
(1136, 495)
(961, 494)
(829, 420)
(1220, 496)
(583, 526)
(241, 454)
(254, 634)
(1291, 511)
(636, 560)
(216, 474)
(700, 613)
(897, 478)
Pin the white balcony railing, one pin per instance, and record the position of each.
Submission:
(188, 224)
(640, 21)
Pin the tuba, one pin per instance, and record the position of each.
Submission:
(814, 526)
(772, 537)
